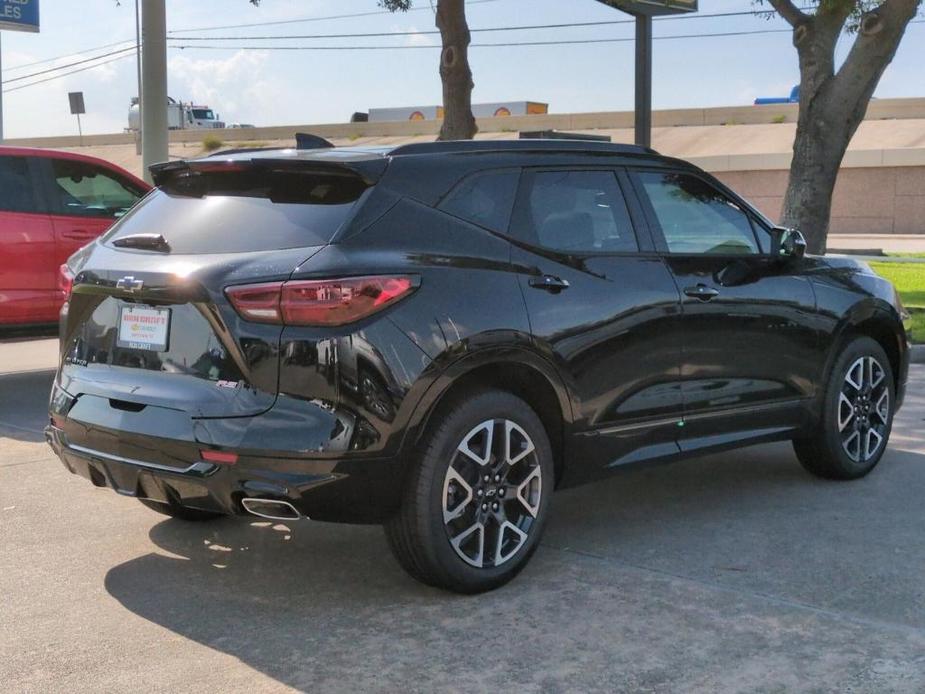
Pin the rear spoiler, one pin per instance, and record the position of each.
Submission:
(367, 169)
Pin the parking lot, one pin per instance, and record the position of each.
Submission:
(736, 572)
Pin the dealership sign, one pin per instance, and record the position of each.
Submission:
(19, 15)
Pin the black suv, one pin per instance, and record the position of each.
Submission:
(436, 336)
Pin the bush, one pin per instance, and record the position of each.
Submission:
(210, 143)
(779, 119)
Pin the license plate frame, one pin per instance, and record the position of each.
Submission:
(148, 332)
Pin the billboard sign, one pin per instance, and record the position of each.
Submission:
(653, 8)
(19, 15)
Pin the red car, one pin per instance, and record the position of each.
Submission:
(51, 204)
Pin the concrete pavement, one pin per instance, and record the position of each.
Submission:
(735, 572)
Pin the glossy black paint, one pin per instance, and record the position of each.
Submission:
(624, 364)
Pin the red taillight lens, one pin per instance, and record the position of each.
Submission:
(65, 282)
(219, 457)
(320, 302)
(257, 302)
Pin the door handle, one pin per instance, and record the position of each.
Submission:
(549, 283)
(702, 292)
(79, 234)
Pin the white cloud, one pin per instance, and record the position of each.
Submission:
(239, 86)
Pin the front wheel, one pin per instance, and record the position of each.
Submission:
(857, 415)
(476, 502)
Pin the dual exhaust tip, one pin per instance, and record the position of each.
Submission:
(272, 509)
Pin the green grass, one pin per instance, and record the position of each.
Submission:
(909, 279)
(905, 255)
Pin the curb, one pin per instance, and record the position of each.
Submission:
(918, 354)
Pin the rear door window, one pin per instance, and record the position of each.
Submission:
(485, 199)
(575, 211)
(87, 190)
(18, 192)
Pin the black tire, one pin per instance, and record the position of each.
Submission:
(182, 512)
(838, 448)
(419, 535)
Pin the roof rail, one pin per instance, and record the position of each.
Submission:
(525, 145)
(561, 135)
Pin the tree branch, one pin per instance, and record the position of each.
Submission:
(789, 11)
(879, 34)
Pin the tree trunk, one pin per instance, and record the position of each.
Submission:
(833, 104)
(458, 123)
(821, 142)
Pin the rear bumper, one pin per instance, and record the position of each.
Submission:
(352, 491)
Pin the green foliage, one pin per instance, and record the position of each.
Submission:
(210, 143)
(396, 5)
(780, 118)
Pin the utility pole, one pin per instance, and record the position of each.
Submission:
(644, 80)
(153, 84)
(138, 69)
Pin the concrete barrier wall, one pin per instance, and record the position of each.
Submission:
(882, 109)
(874, 200)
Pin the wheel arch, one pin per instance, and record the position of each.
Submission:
(518, 371)
(878, 321)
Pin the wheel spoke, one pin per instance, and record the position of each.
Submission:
(510, 456)
(882, 407)
(872, 443)
(855, 376)
(876, 374)
(845, 411)
(500, 555)
(853, 441)
(524, 492)
(479, 559)
(454, 478)
(466, 449)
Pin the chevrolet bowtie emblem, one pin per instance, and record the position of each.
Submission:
(130, 284)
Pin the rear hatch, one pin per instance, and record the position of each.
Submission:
(148, 322)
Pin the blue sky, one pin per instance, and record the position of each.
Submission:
(279, 87)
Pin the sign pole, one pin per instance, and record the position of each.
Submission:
(644, 80)
(154, 143)
(1, 91)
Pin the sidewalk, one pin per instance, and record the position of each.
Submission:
(889, 243)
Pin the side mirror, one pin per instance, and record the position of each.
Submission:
(788, 243)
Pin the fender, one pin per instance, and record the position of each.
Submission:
(453, 367)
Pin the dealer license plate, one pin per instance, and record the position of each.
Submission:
(144, 327)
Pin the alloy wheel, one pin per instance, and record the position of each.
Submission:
(863, 411)
(491, 493)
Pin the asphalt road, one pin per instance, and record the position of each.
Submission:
(736, 572)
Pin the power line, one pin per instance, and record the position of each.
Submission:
(67, 74)
(563, 42)
(66, 55)
(310, 19)
(64, 67)
(381, 34)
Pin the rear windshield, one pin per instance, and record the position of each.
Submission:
(254, 211)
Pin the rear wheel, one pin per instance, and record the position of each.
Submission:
(857, 415)
(476, 502)
(181, 512)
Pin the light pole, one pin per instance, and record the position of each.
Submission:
(153, 97)
(138, 69)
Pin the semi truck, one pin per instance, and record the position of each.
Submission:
(180, 116)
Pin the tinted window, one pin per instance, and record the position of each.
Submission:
(90, 191)
(17, 194)
(695, 218)
(485, 199)
(579, 211)
(232, 224)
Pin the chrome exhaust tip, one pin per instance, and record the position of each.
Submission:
(272, 509)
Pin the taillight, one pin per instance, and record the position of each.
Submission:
(65, 282)
(319, 302)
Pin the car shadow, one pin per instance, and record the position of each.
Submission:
(24, 405)
(310, 603)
